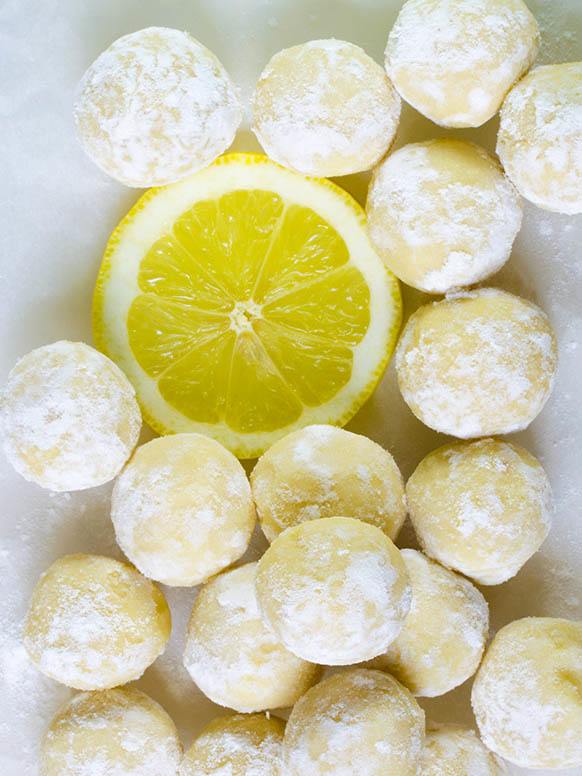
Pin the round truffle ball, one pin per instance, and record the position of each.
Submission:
(182, 509)
(477, 364)
(323, 471)
(69, 417)
(335, 591)
(451, 750)
(540, 137)
(443, 638)
(325, 108)
(455, 61)
(156, 106)
(358, 721)
(526, 696)
(120, 731)
(95, 623)
(482, 508)
(233, 657)
(241, 745)
(442, 214)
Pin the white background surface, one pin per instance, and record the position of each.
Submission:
(56, 213)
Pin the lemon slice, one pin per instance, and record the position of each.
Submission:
(246, 301)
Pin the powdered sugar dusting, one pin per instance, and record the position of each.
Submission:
(457, 751)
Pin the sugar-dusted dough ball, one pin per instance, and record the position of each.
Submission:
(156, 106)
(323, 471)
(540, 137)
(111, 733)
(482, 508)
(241, 745)
(335, 591)
(477, 364)
(233, 657)
(443, 638)
(355, 722)
(451, 750)
(69, 417)
(526, 696)
(182, 509)
(325, 108)
(442, 214)
(455, 60)
(94, 623)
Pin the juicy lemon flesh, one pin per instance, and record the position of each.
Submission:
(249, 310)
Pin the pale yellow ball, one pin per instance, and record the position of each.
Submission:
(443, 638)
(325, 108)
(156, 106)
(182, 509)
(526, 696)
(335, 591)
(452, 750)
(540, 137)
(95, 623)
(477, 364)
(69, 417)
(455, 60)
(482, 508)
(233, 657)
(442, 214)
(241, 745)
(323, 471)
(355, 722)
(111, 733)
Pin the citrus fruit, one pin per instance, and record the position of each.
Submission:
(244, 302)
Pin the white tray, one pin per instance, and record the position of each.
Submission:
(56, 214)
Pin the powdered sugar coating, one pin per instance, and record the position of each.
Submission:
(325, 108)
(526, 696)
(442, 214)
(540, 137)
(69, 417)
(182, 509)
(335, 591)
(357, 722)
(233, 657)
(120, 732)
(477, 364)
(241, 745)
(482, 508)
(443, 638)
(455, 60)
(324, 471)
(451, 750)
(156, 106)
(95, 623)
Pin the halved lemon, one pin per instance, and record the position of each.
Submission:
(246, 301)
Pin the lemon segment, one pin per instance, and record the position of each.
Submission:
(246, 301)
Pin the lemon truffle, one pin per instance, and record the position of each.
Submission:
(455, 60)
(233, 657)
(358, 721)
(120, 731)
(182, 509)
(335, 591)
(325, 108)
(69, 417)
(156, 106)
(323, 471)
(95, 623)
(451, 750)
(442, 214)
(526, 696)
(540, 137)
(477, 364)
(482, 508)
(443, 638)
